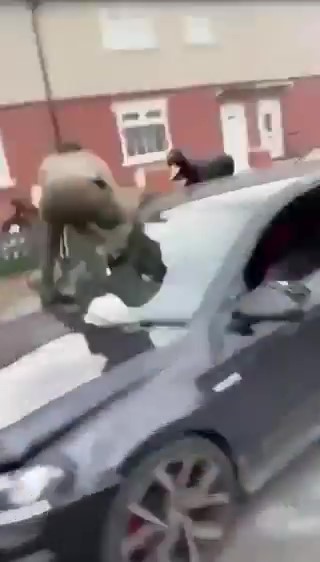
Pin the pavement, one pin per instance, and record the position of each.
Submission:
(14, 293)
(282, 523)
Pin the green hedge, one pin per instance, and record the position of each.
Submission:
(13, 266)
(16, 254)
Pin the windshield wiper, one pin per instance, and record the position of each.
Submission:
(167, 323)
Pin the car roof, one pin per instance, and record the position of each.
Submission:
(252, 178)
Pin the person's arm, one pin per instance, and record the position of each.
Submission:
(41, 176)
(42, 172)
(36, 192)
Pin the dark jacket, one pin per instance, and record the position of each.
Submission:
(195, 171)
(205, 170)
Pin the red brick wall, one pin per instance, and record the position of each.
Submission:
(301, 112)
(195, 122)
(91, 122)
(27, 136)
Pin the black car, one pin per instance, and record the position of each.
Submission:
(130, 433)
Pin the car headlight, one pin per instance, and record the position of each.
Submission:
(26, 493)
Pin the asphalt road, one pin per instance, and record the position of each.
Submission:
(16, 299)
(282, 524)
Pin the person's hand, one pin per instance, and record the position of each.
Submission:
(174, 171)
(36, 192)
(140, 178)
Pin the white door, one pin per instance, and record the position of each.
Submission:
(235, 134)
(270, 126)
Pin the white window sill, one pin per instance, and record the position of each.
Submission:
(133, 49)
(212, 43)
(7, 183)
(145, 159)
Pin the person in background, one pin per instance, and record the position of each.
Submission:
(193, 172)
(77, 189)
(22, 216)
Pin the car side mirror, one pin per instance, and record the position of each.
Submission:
(273, 302)
(297, 291)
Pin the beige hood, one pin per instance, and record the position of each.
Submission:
(85, 164)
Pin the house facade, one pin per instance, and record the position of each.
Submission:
(131, 80)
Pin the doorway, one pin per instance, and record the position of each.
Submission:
(270, 126)
(235, 134)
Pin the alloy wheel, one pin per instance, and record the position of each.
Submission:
(181, 514)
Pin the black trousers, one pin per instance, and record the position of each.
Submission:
(52, 253)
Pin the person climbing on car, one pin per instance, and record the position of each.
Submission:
(78, 190)
(193, 172)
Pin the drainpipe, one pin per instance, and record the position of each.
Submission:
(34, 5)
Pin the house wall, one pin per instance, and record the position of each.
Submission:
(194, 125)
(251, 41)
(21, 79)
(273, 40)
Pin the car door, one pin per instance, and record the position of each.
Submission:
(296, 359)
(275, 405)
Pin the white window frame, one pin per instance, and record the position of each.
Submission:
(142, 107)
(6, 180)
(198, 31)
(127, 31)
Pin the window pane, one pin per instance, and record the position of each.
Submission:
(129, 33)
(146, 139)
(268, 122)
(198, 30)
(161, 140)
(130, 117)
(134, 141)
(153, 114)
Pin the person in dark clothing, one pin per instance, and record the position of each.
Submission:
(23, 215)
(196, 172)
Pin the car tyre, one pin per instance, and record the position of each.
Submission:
(177, 504)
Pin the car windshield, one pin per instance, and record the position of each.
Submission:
(195, 240)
